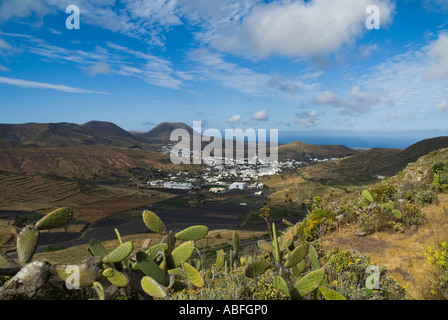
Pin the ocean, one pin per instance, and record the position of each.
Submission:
(394, 140)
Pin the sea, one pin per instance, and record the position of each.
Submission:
(361, 140)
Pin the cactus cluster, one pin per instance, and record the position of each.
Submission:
(295, 263)
(151, 270)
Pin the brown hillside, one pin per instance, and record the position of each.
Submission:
(299, 150)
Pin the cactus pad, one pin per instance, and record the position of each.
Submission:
(147, 265)
(153, 288)
(280, 283)
(310, 282)
(120, 253)
(192, 233)
(180, 255)
(314, 258)
(256, 268)
(236, 242)
(367, 195)
(296, 256)
(27, 244)
(55, 219)
(96, 248)
(265, 246)
(99, 290)
(220, 259)
(116, 277)
(194, 275)
(330, 294)
(153, 222)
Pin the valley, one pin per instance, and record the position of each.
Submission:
(109, 179)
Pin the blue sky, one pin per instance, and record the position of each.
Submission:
(296, 66)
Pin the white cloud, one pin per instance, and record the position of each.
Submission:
(355, 101)
(4, 69)
(41, 85)
(99, 68)
(211, 66)
(442, 106)
(261, 115)
(7, 49)
(307, 119)
(10, 9)
(298, 28)
(438, 58)
(234, 119)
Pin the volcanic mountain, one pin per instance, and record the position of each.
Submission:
(67, 134)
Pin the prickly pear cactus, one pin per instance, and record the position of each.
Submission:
(150, 268)
(265, 246)
(310, 282)
(220, 259)
(99, 289)
(116, 277)
(330, 294)
(297, 255)
(280, 283)
(257, 268)
(192, 233)
(153, 222)
(96, 248)
(27, 243)
(194, 275)
(367, 196)
(55, 219)
(314, 257)
(236, 242)
(120, 253)
(180, 255)
(153, 288)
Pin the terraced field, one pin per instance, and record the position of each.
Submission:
(91, 202)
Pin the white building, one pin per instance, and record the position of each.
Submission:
(178, 185)
(217, 190)
(238, 185)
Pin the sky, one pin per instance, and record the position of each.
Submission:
(296, 66)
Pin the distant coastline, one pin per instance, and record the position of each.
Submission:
(361, 140)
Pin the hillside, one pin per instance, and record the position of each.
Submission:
(299, 150)
(162, 132)
(67, 134)
(79, 162)
(367, 165)
(397, 242)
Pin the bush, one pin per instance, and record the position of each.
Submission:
(439, 259)
(347, 270)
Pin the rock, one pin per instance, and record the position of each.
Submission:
(360, 233)
(27, 282)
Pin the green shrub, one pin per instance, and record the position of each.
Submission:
(439, 259)
(347, 273)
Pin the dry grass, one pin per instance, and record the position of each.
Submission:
(293, 190)
(401, 253)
